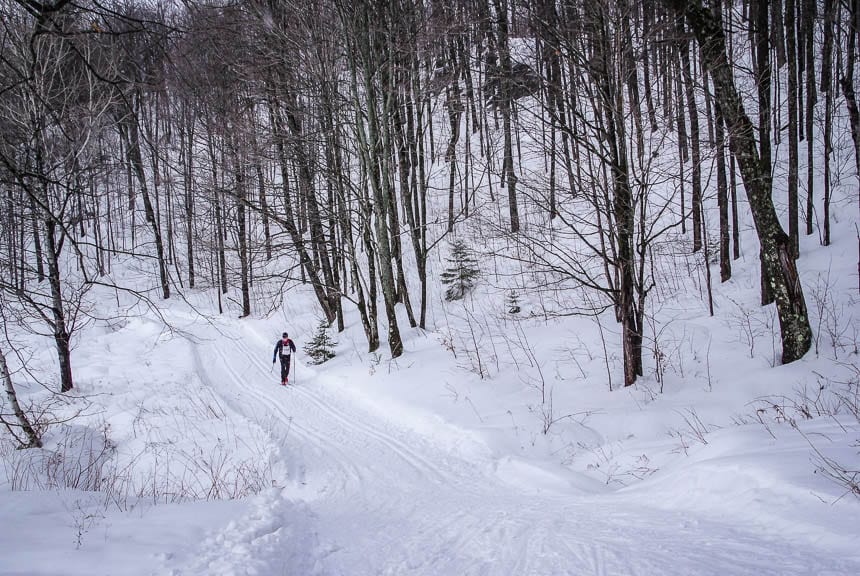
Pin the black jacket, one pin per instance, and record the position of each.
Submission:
(279, 349)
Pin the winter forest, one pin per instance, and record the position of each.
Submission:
(574, 284)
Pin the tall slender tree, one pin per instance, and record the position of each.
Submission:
(777, 258)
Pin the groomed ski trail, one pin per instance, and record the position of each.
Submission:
(375, 498)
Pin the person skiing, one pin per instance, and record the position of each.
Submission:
(284, 348)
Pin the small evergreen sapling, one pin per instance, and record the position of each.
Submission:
(321, 347)
(463, 272)
(513, 302)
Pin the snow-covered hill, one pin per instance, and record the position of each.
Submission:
(499, 443)
(185, 456)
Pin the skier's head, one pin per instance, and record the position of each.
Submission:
(284, 335)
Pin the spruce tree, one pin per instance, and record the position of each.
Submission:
(321, 347)
(463, 272)
(513, 302)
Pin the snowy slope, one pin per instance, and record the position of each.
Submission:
(493, 446)
(364, 466)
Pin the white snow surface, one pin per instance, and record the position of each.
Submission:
(493, 446)
(417, 466)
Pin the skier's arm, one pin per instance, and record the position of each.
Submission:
(275, 353)
(292, 346)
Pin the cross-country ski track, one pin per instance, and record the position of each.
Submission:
(361, 495)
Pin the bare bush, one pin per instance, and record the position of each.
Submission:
(837, 472)
(606, 464)
(86, 459)
(834, 321)
(830, 398)
(694, 431)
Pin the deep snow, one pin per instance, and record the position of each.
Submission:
(367, 466)
(492, 446)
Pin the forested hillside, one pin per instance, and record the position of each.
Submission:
(210, 140)
(581, 205)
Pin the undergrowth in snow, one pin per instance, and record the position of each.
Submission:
(502, 442)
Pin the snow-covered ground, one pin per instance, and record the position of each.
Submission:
(186, 457)
(498, 444)
(493, 446)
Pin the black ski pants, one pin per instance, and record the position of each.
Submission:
(285, 367)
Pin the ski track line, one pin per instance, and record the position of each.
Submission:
(330, 450)
(530, 541)
(348, 426)
(349, 473)
(339, 432)
(577, 540)
(457, 536)
(425, 468)
(478, 524)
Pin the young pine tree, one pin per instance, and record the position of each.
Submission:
(462, 273)
(321, 347)
(512, 300)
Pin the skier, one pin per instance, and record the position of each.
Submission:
(284, 348)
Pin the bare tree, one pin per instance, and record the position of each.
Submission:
(54, 104)
(777, 257)
(31, 438)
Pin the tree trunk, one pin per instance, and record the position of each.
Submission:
(33, 440)
(61, 332)
(452, 104)
(37, 241)
(506, 105)
(776, 249)
(647, 9)
(811, 98)
(377, 158)
(793, 146)
(418, 218)
(847, 83)
(241, 199)
(696, 156)
(827, 88)
(722, 195)
(371, 57)
(828, 151)
(289, 221)
(611, 97)
(188, 174)
(761, 30)
(219, 219)
(307, 192)
(135, 158)
(683, 149)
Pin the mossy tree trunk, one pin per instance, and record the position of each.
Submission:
(776, 251)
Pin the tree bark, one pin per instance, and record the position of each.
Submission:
(135, 158)
(793, 145)
(776, 249)
(33, 439)
(60, 325)
(611, 97)
(506, 105)
(809, 12)
(827, 88)
(761, 33)
(696, 156)
(240, 195)
(377, 162)
(847, 84)
(187, 147)
(722, 195)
